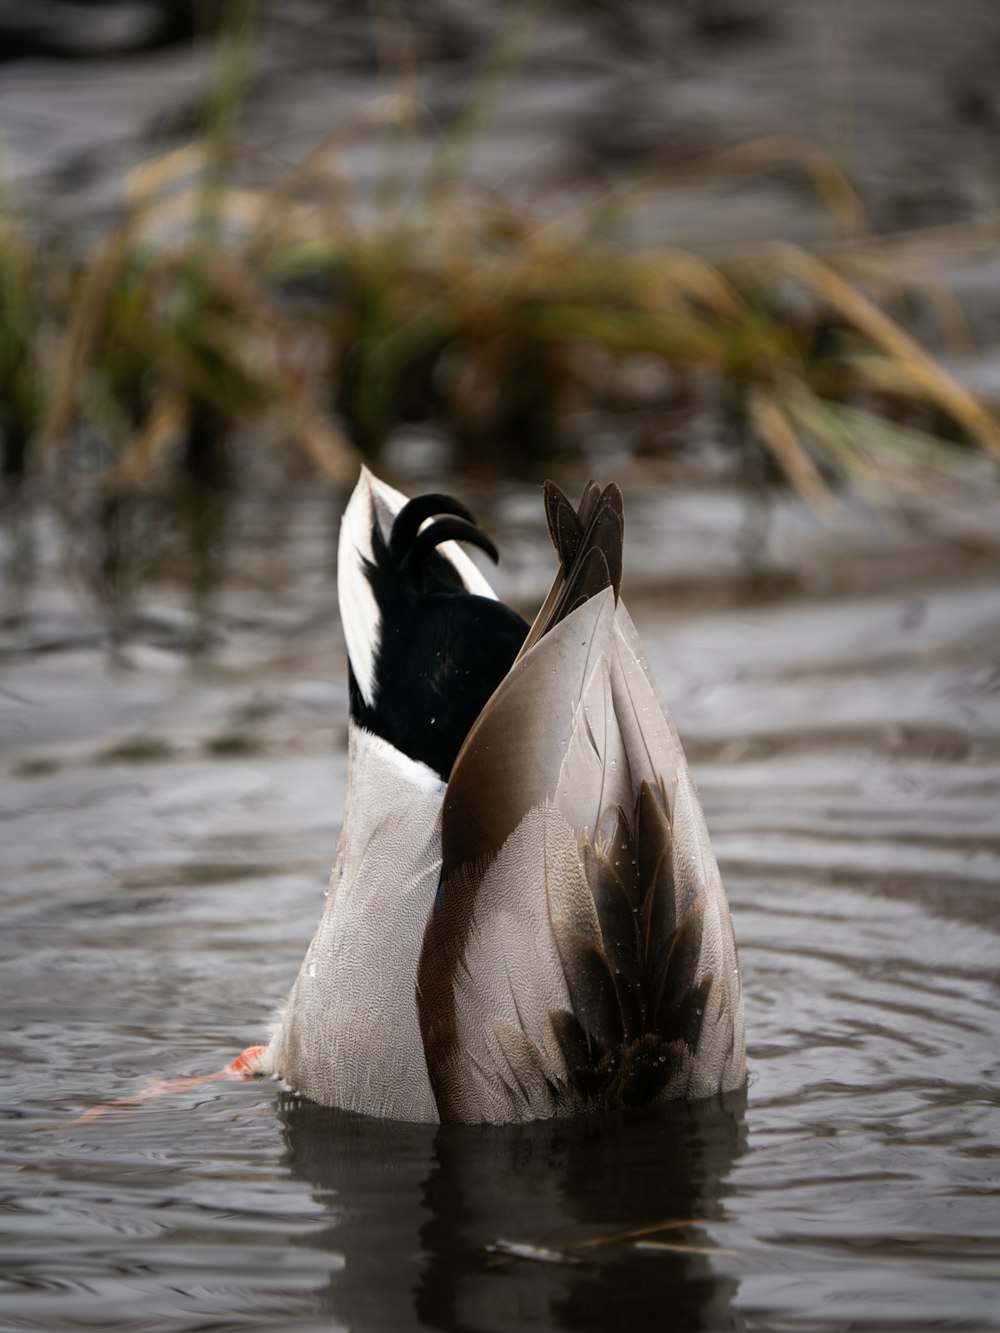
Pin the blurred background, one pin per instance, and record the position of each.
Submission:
(740, 256)
(245, 246)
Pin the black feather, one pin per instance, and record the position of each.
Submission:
(415, 513)
(592, 990)
(442, 650)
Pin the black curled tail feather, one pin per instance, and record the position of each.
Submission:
(441, 650)
(415, 513)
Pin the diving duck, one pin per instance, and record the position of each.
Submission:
(525, 918)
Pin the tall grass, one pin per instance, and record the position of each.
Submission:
(133, 370)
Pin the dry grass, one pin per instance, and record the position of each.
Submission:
(211, 308)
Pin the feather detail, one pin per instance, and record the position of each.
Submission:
(589, 546)
(490, 963)
(372, 509)
(580, 903)
(431, 652)
(512, 757)
(348, 1035)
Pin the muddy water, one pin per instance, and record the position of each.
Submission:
(167, 826)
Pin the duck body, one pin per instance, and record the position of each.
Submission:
(525, 918)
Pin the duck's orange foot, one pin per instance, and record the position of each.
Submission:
(246, 1065)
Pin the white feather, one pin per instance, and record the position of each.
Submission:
(349, 1035)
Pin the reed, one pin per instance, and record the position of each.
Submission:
(133, 370)
(25, 302)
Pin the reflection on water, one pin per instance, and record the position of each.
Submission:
(556, 1225)
(166, 829)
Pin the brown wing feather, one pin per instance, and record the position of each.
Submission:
(589, 545)
(592, 991)
(580, 952)
(657, 968)
(509, 766)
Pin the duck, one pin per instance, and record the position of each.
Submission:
(525, 918)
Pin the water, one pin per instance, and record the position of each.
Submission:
(167, 831)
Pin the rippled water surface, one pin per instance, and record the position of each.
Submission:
(167, 828)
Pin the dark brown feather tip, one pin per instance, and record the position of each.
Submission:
(588, 541)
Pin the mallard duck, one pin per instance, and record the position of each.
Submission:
(525, 918)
